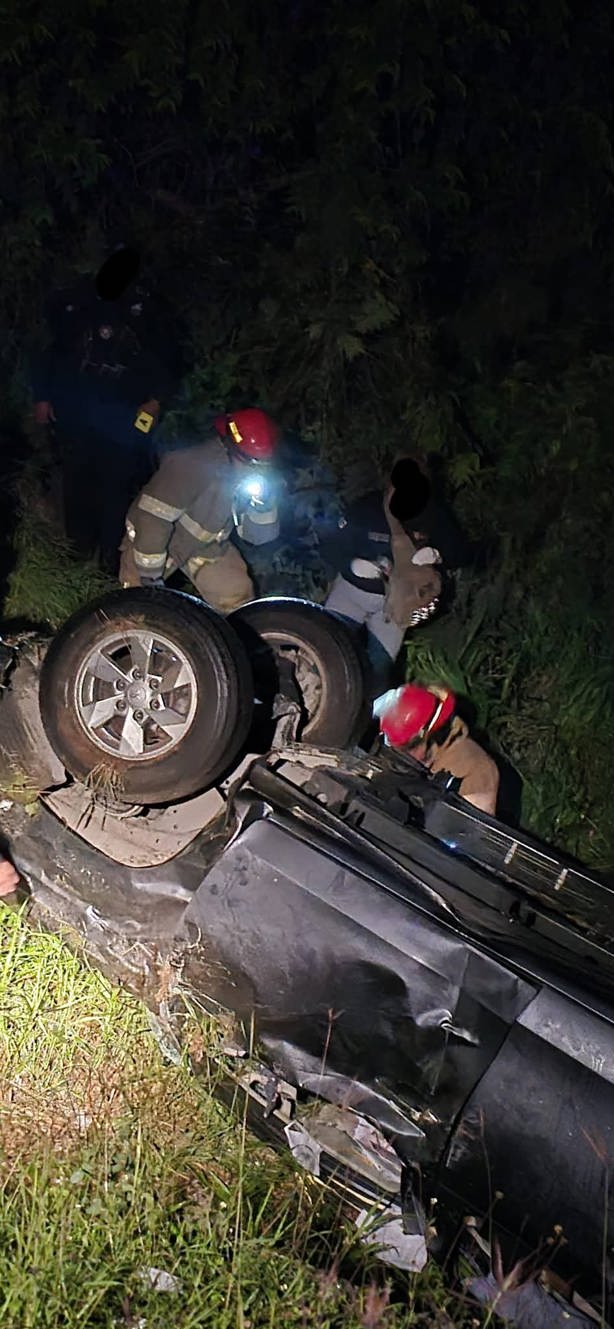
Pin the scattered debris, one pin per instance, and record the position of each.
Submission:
(304, 1149)
(402, 1250)
(159, 1280)
(167, 1043)
(527, 1307)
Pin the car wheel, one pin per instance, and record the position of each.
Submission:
(326, 663)
(147, 694)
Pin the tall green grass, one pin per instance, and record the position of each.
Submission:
(114, 1163)
(48, 582)
(540, 688)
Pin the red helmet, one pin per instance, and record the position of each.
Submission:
(410, 713)
(253, 433)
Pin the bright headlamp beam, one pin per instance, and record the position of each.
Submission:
(253, 488)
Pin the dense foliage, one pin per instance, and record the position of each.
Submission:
(383, 221)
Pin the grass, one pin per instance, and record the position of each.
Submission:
(48, 582)
(541, 696)
(114, 1163)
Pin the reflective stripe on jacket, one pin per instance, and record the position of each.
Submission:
(186, 506)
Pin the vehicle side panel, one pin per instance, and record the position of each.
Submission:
(539, 1128)
(355, 994)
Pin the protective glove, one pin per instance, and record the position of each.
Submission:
(426, 556)
(363, 567)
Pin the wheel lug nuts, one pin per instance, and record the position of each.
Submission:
(155, 703)
(120, 685)
(136, 673)
(120, 706)
(138, 715)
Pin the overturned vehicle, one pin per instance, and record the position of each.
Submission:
(421, 1001)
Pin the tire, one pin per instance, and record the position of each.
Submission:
(267, 627)
(111, 739)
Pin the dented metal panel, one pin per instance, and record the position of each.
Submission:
(363, 987)
(539, 1131)
(136, 837)
(353, 994)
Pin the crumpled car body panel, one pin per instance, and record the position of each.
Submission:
(478, 1072)
(385, 957)
(345, 983)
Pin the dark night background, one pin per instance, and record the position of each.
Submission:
(382, 222)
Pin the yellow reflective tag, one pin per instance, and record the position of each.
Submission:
(144, 422)
(238, 438)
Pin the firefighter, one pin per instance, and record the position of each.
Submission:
(185, 515)
(99, 384)
(422, 721)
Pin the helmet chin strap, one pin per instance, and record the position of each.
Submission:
(435, 716)
(236, 455)
(423, 733)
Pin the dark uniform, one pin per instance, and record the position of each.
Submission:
(101, 365)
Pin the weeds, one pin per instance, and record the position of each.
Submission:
(105, 783)
(540, 694)
(115, 1165)
(48, 582)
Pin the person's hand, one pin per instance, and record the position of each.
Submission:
(9, 878)
(151, 407)
(44, 413)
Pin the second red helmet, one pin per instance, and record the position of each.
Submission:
(253, 433)
(411, 713)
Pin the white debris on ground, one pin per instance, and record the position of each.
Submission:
(393, 1246)
(158, 1280)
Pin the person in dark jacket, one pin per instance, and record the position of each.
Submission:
(100, 383)
(389, 552)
